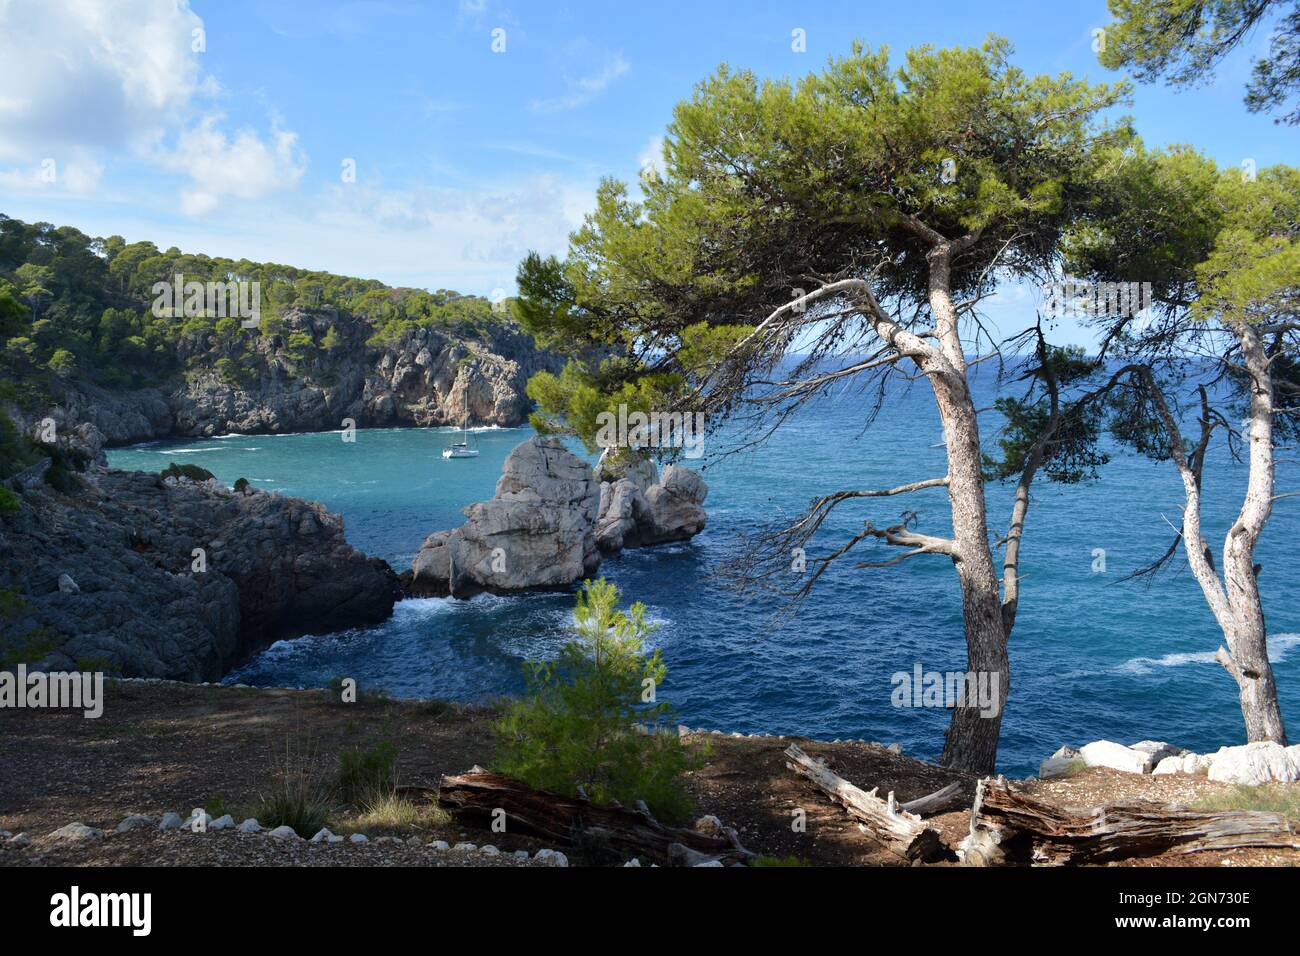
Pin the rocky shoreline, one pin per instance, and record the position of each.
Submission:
(423, 377)
(141, 575)
(552, 520)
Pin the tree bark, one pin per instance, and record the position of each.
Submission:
(1010, 827)
(484, 796)
(971, 743)
(1247, 637)
(902, 833)
(1235, 600)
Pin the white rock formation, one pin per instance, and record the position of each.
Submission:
(1256, 763)
(551, 520)
(1107, 753)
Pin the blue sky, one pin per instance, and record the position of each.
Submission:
(465, 158)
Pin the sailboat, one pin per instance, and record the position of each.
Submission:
(461, 449)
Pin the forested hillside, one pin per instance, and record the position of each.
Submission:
(73, 305)
(84, 339)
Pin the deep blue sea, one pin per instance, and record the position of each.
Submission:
(1092, 656)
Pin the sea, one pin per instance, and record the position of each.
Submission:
(1094, 654)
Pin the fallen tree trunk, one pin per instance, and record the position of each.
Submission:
(1009, 827)
(948, 798)
(561, 819)
(884, 821)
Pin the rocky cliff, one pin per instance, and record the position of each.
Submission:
(151, 577)
(551, 521)
(422, 376)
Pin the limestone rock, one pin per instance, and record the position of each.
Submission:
(284, 833)
(536, 532)
(550, 521)
(170, 821)
(1183, 763)
(76, 831)
(1256, 763)
(1107, 753)
(250, 826)
(134, 822)
(273, 567)
(1065, 762)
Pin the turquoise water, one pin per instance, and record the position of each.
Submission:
(1092, 656)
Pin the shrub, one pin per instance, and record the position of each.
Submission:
(591, 722)
(192, 472)
(297, 797)
(241, 486)
(9, 502)
(364, 772)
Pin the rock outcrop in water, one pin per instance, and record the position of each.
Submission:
(424, 376)
(111, 576)
(551, 521)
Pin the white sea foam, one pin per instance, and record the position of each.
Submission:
(1279, 646)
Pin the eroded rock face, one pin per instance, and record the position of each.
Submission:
(1256, 763)
(551, 521)
(536, 532)
(425, 377)
(275, 567)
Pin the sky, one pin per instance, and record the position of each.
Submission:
(434, 144)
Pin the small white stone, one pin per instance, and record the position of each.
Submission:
(440, 845)
(170, 821)
(467, 847)
(632, 862)
(334, 838)
(708, 863)
(222, 822)
(489, 850)
(359, 838)
(521, 854)
(321, 835)
(135, 821)
(1107, 753)
(76, 831)
(284, 833)
(250, 826)
(552, 857)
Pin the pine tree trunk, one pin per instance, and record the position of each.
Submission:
(972, 739)
(1247, 638)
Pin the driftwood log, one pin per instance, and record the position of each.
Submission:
(902, 833)
(1009, 827)
(948, 798)
(565, 820)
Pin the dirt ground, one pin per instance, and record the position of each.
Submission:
(173, 747)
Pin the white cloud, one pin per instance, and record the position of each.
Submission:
(77, 73)
(585, 89)
(245, 167)
(78, 177)
(84, 80)
(652, 157)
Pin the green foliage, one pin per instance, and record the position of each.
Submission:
(846, 171)
(9, 502)
(17, 451)
(293, 802)
(581, 724)
(19, 646)
(75, 307)
(779, 861)
(367, 772)
(1185, 40)
(1071, 455)
(65, 465)
(241, 485)
(192, 472)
